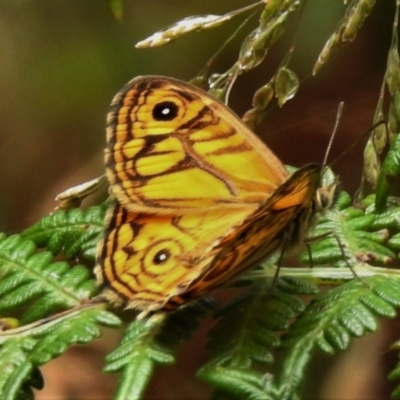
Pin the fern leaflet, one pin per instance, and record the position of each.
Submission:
(69, 232)
(23, 349)
(36, 280)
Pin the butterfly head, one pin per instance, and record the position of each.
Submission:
(328, 192)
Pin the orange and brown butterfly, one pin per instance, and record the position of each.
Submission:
(198, 197)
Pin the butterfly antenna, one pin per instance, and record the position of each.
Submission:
(230, 85)
(338, 117)
(373, 127)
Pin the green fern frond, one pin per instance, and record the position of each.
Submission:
(35, 381)
(35, 278)
(331, 320)
(243, 334)
(387, 176)
(70, 232)
(23, 349)
(180, 325)
(349, 230)
(246, 331)
(395, 375)
(388, 219)
(239, 383)
(137, 356)
(394, 243)
(151, 342)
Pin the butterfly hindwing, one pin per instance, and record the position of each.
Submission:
(145, 260)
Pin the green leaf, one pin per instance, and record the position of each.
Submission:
(116, 8)
(331, 320)
(243, 384)
(348, 232)
(37, 280)
(286, 85)
(180, 324)
(69, 232)
(151, 342)
(395, 375)
(136, 357)
(23, 349)
(387, 175)
(246, 333)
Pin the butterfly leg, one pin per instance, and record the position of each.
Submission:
(279, 263)
(72, 197)
(310, 240)
(314, 239)
(345, 259)
(310, 255)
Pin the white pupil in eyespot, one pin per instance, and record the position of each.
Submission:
(165, 111)
(162, 257)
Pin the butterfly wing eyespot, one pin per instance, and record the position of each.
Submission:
(198, 197)
(160, 257)
(165, 111)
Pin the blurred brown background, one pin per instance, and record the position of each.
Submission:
(61, 63)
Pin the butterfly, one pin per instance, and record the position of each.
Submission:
(198, 198)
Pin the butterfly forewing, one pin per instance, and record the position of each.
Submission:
(172, 147)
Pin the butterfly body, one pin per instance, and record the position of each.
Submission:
(198, 197)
